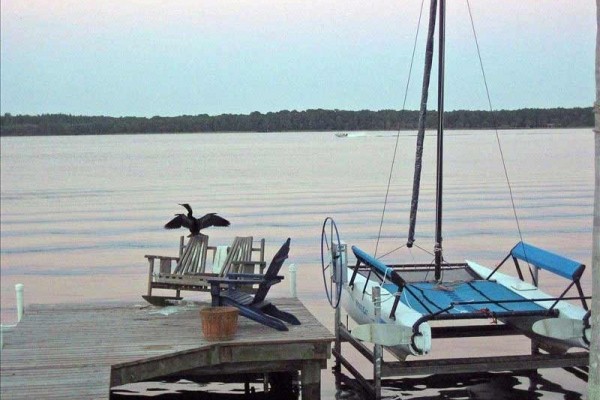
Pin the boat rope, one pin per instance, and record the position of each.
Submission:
(412, 59)
(391, 251)
(388, 269)
(403, 246)
(425, 250)
(495, 121)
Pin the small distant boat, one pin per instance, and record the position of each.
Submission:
(341, 134)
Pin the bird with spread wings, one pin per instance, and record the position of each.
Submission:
(195, 224)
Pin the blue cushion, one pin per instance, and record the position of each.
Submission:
(371, 261)
(544, 259)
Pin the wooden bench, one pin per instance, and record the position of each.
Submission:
(188, 271)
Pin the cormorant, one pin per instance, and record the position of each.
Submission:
(195, 224)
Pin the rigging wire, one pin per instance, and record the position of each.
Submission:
(391, 251)
(512, 200)
(387, 192)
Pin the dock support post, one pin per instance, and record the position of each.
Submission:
(343, 264)
(19, 287)
(338, 341)
(310, 380)
(377, 349)
(293, 290)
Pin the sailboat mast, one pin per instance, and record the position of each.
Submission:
(414, 204)
(440, 143)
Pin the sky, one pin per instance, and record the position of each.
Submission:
(189, 57)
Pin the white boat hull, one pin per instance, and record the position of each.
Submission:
(360, 308)
(563, 330)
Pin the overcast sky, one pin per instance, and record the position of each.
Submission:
(150, 57)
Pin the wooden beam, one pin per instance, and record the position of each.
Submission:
(465, 331)
(211, 356)
(477, 364)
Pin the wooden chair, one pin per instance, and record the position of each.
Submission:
(192, 260)
(254, 306)
(190, 268)
(239, 257)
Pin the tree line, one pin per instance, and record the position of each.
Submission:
(309, 120)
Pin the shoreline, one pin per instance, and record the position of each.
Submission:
(292, 131)
(318, 120)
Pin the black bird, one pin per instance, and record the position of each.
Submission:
(195, 224)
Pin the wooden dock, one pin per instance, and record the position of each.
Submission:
(76, 351)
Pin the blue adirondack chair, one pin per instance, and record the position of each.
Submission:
(254, 306)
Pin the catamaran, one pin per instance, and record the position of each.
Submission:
(413, 296)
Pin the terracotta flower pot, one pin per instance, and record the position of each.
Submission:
(219, 323)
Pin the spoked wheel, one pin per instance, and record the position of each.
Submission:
(331, 261)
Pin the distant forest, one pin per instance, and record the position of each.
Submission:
(309, 120)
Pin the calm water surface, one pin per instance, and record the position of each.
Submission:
(79, 213)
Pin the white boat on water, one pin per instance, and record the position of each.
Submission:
(415, 296)
(341, 134)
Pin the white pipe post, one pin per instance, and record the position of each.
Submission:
(20, 303)
(293, 290)
(19, 291)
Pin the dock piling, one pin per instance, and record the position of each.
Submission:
(310, 380)
(377, 348)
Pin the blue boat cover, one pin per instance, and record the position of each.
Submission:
(544, 259)
(431, 297)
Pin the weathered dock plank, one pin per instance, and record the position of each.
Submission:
(81, 350)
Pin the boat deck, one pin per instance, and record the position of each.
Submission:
(476, 296)
(75, 351)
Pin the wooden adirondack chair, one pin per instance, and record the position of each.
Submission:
(192, 260)
(190, 268)
(254, 306)
(239, 257)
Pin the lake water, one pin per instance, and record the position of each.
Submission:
(79, 213)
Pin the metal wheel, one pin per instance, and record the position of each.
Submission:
(331, 261)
